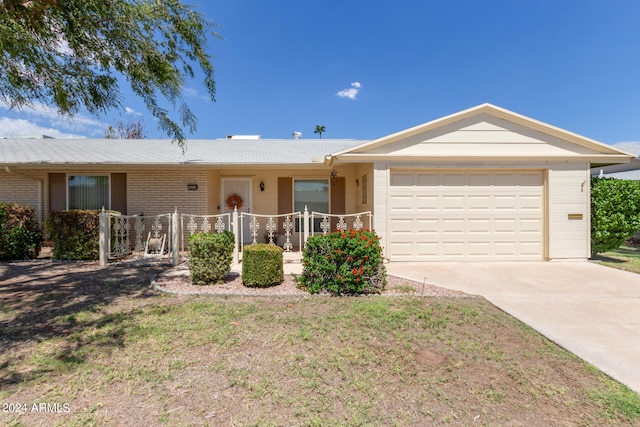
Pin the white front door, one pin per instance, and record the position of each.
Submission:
(237, 192)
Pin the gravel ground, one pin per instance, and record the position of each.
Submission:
(177, 280)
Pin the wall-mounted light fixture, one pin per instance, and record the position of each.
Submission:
(357, 182)
(334, 175)
(261, 185)
(192, 187)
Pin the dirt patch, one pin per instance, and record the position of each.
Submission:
(178, 281)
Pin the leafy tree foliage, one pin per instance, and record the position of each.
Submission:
(615, 212)
(68, 54)
(320, 129)
(129, 130)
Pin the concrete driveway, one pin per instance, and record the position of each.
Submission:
(591, 310)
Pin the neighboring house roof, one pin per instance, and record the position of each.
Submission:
(163, 152)
(485, 132)
(629, 170)
(631, 174)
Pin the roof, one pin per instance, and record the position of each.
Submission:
(221, 151)
(630, 174)
(582, 147)
(629, 147)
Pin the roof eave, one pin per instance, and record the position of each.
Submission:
(610, 159)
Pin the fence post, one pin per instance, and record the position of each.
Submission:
(174, 237)
(305, 227)
(103, 238)
(236, 236)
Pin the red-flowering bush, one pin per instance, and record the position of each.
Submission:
(348, 262)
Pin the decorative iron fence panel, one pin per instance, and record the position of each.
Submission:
(167, 234)
(190, 224)
(332, 222)
(137, 235)
(274, 227)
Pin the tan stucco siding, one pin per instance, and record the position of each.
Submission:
(360, 171)
(266, 202)
(569, 194)
(155, 192)
(380, 214)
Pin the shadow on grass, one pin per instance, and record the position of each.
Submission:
(40, 300)
(609, 259)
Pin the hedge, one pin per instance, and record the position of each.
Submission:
(262, 265)
(20, 233)
(75, 234)
(210, 256)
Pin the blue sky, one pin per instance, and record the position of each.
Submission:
(366, 69)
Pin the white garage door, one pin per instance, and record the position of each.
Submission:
(465, 215)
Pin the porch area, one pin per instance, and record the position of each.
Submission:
(167, 235)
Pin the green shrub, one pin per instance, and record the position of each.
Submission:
(210, 256)
(341, 263)
(615, 212)
(75, 234)
(262, 265)
(20, 233)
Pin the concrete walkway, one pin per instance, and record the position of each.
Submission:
(591, 310)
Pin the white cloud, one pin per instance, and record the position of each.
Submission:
(193, 93)
(10, 127)
(129, 110)
(45, 117)
(351, 92)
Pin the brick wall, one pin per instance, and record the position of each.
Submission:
(155, 192)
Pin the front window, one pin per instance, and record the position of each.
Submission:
(88, 192)
(314, 194)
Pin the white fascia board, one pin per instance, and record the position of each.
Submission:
(355, 158)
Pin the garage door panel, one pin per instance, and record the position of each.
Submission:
(453, 249)
(401, 226)
(454, 180)
(427, 226)
(402, 179)
(506, 202)
(453, 225)
(505, 225)
(401, 203)
(427, 250)
(453, 203)
(533, 225)
(429, 180)
(530, 203)
(402, 249)
(479, 225)
(467, 215)
(427, 203)
(478, 249)
(479, 203)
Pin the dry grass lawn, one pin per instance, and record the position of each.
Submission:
(100, 347)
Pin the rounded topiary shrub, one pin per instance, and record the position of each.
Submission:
(262, 265)
(210, 257)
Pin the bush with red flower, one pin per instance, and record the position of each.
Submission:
(343, 263)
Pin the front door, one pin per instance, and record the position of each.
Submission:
(237, 192)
